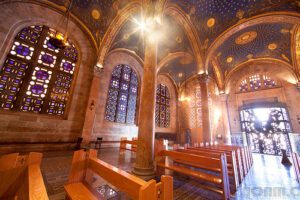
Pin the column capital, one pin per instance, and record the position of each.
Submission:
(223, 97)
(203, 78)
(97, 71)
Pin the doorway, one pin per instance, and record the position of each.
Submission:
(266, 128)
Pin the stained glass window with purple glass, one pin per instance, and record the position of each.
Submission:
(30, 34)
(162, 108)
(257, 82)
(36, 77)
(11, 78)
(122, 95)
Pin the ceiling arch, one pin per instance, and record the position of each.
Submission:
(261, 63)
(265, 40)
(213, 17)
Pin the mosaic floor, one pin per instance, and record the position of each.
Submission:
(268, 178)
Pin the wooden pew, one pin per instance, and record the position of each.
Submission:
(124, 142)
(231, 162)
(296, 164)
(21, 177)
(86, 167)
(237, 153)
(238, 150)
(245, 154)
(220, 181)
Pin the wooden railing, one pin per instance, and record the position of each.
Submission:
(21, 177)
(124, 143)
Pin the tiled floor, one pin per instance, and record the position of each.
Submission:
(268, 178)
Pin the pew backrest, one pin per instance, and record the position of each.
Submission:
(84, 165)
(21, 177)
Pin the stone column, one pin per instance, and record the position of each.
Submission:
(91, 107)
(144, 167)
(203, 80)
(225, 119)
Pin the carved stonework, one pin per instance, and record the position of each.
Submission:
(223, 97)
(203, 78)
(98, 71)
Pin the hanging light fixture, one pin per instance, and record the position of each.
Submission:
(59, 40)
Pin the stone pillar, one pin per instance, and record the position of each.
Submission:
(203, 80)
(225, 119)
(91, 107)
(144, 167)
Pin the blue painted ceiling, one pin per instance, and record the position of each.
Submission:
(212, 17)
(179, 69)
(96, 14)
(268, 40)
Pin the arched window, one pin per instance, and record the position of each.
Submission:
(36, 77)
(257, 82)
(122, 95)
(162, 108)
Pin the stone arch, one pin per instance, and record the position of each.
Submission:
(272, 17)
(262, 65)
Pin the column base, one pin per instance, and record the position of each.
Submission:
(144, 173)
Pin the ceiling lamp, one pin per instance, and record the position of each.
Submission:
(58, 40)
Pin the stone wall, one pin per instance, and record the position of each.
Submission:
(27, 127)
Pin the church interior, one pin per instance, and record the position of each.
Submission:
(149, 99)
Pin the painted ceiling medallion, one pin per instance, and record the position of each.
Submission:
(178, 39)
(272, 46)
(250, 56)
(245, 38)
(210, 22)
(229, 59)
(96, 14)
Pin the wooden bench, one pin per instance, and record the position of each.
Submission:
(86, 167)
(231, 162)
(132, 143)
(21, 177)
(228, 153)
(220, 181)
(296, 164)
(245, 154)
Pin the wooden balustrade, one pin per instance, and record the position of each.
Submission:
(132, 143)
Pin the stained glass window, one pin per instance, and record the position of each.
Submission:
(122, 95)
(257, 82)
(162, 108)
(36, 77)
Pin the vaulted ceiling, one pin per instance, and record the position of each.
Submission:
(210, 18)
